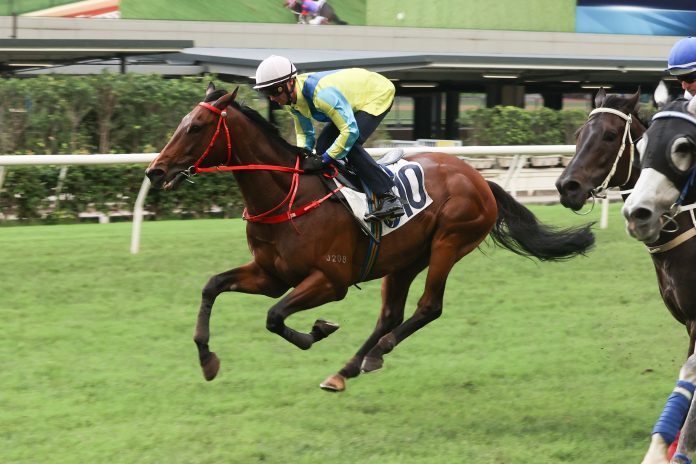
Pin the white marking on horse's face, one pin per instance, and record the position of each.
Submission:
(186, 120)
(652, 196)
(641, 145)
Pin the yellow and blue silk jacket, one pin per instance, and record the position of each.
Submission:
(334, 96)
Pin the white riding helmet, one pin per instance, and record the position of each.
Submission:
(274, 70)
(682, 57)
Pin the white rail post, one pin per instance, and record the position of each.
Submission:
(138, 215)
(62, 174)
(604, 221)
(2, 180)
(509, 174)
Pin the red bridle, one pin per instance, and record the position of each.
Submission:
(294, 184)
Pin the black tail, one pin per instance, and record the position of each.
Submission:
(329, 13)
(518, 230)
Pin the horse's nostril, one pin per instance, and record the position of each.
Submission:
(641, 214)
(571, 186)
(156, 176)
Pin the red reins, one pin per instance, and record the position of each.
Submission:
(294, 184)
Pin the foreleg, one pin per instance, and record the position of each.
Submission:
(672, 418)
(249, 278)
(313, 291)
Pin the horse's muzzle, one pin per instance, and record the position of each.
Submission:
(156, 176)
(572, 193)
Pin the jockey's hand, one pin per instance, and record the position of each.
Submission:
(315, 163)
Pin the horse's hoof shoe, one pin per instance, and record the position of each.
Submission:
(210, 367)
(371, 364)
(326, 328)
(335, 383)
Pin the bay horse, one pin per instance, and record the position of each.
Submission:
(603, 160)
(316, 250)
(660, 213)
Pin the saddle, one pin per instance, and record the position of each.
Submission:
(347, 176)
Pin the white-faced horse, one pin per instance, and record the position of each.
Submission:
(663, 201)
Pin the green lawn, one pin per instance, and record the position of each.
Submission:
(530, 363)
(253, 11)
(7, 7)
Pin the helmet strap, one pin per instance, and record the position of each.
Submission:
(288, 92)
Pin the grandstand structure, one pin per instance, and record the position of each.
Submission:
(433, 66)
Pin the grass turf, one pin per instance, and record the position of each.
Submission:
(530, 363)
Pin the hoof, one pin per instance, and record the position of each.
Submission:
(371, 364)
(335, 383)
(210, 366)
(324, 328)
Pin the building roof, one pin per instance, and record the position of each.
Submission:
(23, 54)
(462, 71)
(541, 61)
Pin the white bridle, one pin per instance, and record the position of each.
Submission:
(626, 136)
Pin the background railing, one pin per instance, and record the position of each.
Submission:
(524, 171)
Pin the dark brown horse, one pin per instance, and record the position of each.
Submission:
(603, 156)
(601, 146)
(318, 255)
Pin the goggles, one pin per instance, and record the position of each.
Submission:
(273, 90)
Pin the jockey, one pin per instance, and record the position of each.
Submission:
(682, 64)
(310, 7)
(353, 102)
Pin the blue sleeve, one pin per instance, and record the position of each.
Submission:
(334, 104)
(304, 130)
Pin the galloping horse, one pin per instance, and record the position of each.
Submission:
(604, 159)
(660, 213)
(317, 249)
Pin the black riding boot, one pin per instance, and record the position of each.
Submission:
(388, 207)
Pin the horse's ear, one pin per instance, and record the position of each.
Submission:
(691, 107)
(210, 89)
(661, 95)
(226, 100)
(599, 98)
(634, 101)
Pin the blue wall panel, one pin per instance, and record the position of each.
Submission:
(643, 17)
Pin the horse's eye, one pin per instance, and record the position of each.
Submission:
(682, 154)
(609, 136)
(194, 129)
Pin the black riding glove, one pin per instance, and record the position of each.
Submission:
(313, 163)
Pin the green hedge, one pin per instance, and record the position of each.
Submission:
(135, 113)
(509, 125)
(105, 113)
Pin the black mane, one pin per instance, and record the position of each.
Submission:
(269, 129)
(621, 103)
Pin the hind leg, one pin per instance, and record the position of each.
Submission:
(446, 251)
(395, 288)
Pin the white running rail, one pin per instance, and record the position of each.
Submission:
(520, 152)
